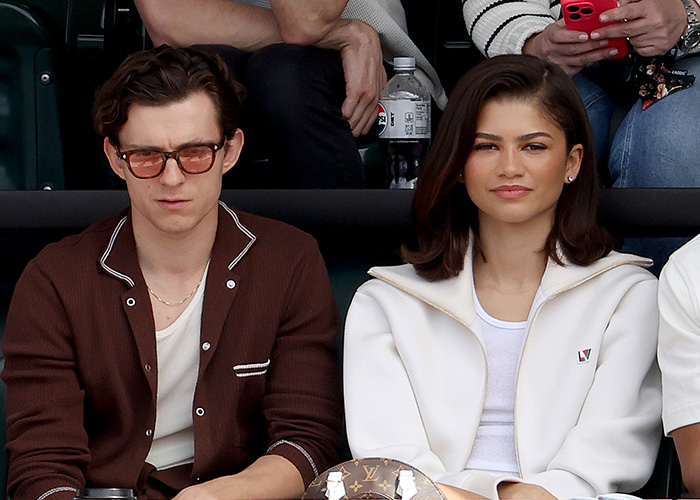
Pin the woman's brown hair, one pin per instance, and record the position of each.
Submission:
(442, 211)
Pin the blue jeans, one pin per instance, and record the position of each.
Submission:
(656, 147)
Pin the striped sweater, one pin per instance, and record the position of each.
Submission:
(503, 26)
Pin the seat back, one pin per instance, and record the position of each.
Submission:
(31, 147)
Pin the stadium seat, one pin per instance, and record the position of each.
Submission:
(31, 146)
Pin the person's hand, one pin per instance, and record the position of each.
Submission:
(524, 491)
(570, 50)
(216, 489)
(364, 75)
(652, 26)
(270, 476)
(454, 493)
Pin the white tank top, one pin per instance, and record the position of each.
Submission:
(504, 341)
(178, 367)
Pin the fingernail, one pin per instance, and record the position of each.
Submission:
(613, 52)
(583, 37)
(603, 43)
(595, 35)
(604, 18)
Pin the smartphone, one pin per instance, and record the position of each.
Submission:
(583, 15)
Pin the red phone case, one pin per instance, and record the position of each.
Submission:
(583, 15)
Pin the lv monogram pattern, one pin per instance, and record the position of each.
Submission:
(373, 478)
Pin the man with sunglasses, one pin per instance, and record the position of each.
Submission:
(182, 348)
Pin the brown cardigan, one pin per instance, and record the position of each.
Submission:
(81, 368)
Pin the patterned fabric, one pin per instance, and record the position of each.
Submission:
(654, 78)
(377, 479)
(503, 26)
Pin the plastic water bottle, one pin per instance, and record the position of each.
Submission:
(404, 125)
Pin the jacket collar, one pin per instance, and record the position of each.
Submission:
(455, 296)
(119, 259)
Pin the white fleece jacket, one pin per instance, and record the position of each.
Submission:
(588, 399)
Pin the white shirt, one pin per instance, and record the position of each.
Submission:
(177, 348)
(494, 446)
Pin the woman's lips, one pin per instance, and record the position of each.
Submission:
(511, 192)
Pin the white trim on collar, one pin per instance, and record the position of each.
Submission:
(131, 283)
(245, 231)
(103, 259)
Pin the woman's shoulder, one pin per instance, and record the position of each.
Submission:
(391, 278)
(405, 278)
(618, 264)
(628, 264)
(616, 272)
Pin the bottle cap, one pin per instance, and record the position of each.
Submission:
(404, 63)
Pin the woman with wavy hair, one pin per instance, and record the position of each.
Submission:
(514, 352)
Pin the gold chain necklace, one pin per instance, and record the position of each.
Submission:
(174, 304)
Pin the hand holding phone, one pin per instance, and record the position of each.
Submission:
(584, 15)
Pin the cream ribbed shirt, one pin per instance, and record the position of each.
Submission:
(177, 347)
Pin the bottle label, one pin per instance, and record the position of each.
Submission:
(404, 119)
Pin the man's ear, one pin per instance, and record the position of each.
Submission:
(115, 162)
(232, 150)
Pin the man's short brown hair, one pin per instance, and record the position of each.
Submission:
(165, 75)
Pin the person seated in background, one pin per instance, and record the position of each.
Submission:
(313, 71)
(653, 147)
(181, 348)
(514, 354)
(679, 341)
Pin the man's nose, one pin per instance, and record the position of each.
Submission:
(172, 173)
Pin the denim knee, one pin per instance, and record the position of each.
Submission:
(599, 107)
(657, 147)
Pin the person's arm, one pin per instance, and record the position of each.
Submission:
(614, 442)
(182, 23)
(452, 493)
(679, 338)
(525, 491)
(308, 22)
(652, 26)
(270, 476)
(687, 442)
(301, 406)
(485, 21)
(47, 443)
